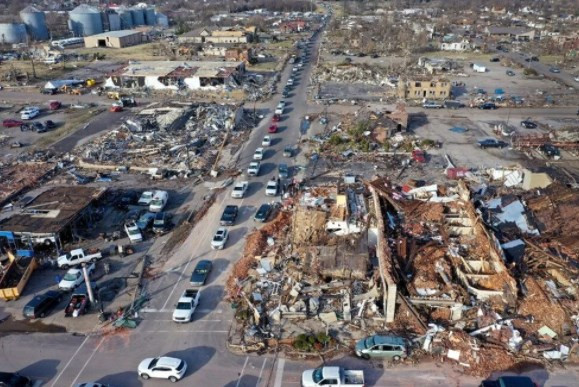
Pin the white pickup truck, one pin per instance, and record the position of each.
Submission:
(78, 256)
(186, 305)
(239, 190)
(333, 377)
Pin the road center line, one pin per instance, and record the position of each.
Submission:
(87, 361)
(70, 360)
(279, 373)
(261, 372)
(242, 371)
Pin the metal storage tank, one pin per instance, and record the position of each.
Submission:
(11, 33)
(150, 18)
(138, 16)
(114, 21)
(162, 20)
(126, 18)
(85, 20)
(35, 22)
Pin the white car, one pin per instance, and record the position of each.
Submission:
(271, 188)
(74, 277)
(133, 232)
(29, 113)
(146, 198)
(220, 238)
(576, 79)
(258, 154)
(266, 141)
(290, 82)
(253, 169)
(162, 368)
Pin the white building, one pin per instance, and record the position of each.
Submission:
(456, 46)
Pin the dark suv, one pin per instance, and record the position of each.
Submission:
(11, 379)
(492, 143)
(41, 305)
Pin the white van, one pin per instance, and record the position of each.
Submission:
(159, 201)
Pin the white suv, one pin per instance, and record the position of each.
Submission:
(29, 113)
(162, 368)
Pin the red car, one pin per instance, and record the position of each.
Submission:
(116, 108)
(272, 129)
(10, 123)
(276, 118)
(54, 105)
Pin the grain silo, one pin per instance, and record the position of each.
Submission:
(35, 22)
(162, 20)
(85, 20)
(138, 16)
(126, 18)
(114, 20)
(150, 17)
(11, 33)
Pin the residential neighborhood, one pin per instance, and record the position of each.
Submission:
(307, 192)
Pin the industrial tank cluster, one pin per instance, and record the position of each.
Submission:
(84, 20)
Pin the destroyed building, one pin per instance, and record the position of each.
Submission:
(49, 218)
(175, 75)
(174, 138)
(420, 88)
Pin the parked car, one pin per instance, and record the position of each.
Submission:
(388, 347)
(509, 381)
(162, 367)
(432, 105)
(200, 273)
(49, 124)
(146, 220)
(186, 306)
(276, 118)
(258, 154)
(272, 129)
(488, 106)
(492, 143)
(54, 105)
(450, 104)
(229, 215)
(133, 232)
(271, 188)
(78, 257)
(11, 123)
(283, 171)
(48, 91)
(332, 376)
(162, 222)
(510, 73)
(41, 305)
(220, 238)
(74, 277)
(528, 124)
(159, 201)
(550, 150)
(266, 141)
(253, 169)
(146, 198)
(262, 213)
(288, 151)
(29, 113)
(239, 190)
(14, 379)
(555, 70)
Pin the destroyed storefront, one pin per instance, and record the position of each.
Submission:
(309, 272)
(49, 219)
(175, 139)
(455, 276)
(173, 75)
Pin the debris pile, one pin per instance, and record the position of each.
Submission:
(18, 177)
(358, 73)
(176, 139)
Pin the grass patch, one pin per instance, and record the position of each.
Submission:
(285, 44)
(74, 121)
(264, 66)
(460, 55)
(551, 59)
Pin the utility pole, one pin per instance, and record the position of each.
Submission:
(87, 282)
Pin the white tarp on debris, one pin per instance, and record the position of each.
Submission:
(57, 84)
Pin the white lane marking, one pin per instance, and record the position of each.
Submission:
(87, 361)
(242, 371)
(70, 360)
(279, 373)
(261, 372)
